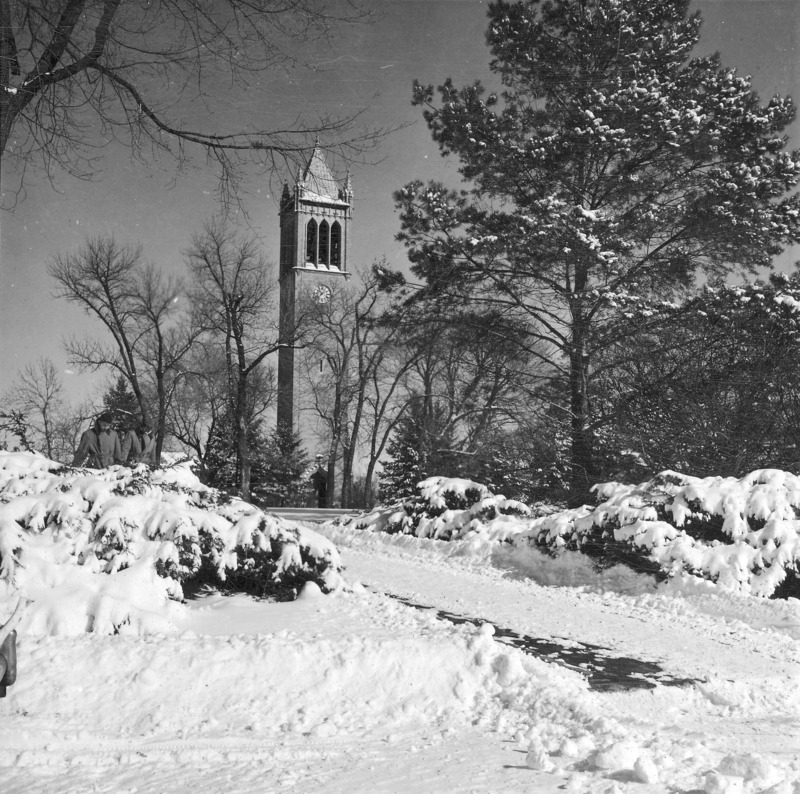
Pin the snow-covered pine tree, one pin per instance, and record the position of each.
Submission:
(611, 163)
(710, 386)
(421, 447)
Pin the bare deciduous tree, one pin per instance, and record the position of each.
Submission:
(140, 309)
(235, 298)
(353, 368)
(199, 403)
(39, 394)
(36, 411)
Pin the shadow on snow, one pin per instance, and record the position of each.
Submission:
(604, 671)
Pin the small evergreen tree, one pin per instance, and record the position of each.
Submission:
(219, 463)
(401, 474)
(513, 463)
(279, 464)
(121, 403)
(421, 447)
(280, 477)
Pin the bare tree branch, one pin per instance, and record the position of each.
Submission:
(130, 71)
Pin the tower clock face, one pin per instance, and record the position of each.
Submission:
(322, 294)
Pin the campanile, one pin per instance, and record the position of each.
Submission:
(314, 247)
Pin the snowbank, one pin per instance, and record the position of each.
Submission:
(109, 551)
(300, 680)
(395, 667)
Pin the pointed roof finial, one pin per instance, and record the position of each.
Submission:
(317, 178)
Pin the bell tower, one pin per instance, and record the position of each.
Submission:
(314, 247)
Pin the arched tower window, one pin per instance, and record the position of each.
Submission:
(336, 244)
(324, 241)
(311, 241)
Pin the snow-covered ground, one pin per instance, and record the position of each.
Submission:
(356, 692)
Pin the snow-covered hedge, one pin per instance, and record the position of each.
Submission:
(743, 533)
(447, 508)
(118, 541)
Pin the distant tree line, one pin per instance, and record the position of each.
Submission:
(394, 393)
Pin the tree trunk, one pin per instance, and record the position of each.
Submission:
(347, 479)
(48, 440)
(348, 461)
(161, 421)
(368, 495)
(331, 477)
(242, 447)
(337, 433)
(583, 471)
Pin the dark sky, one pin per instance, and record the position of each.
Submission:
(368, 65)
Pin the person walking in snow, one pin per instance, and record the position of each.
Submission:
(99, 445)
(139, 446)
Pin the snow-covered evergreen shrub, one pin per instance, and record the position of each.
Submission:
(446, 508)
(165, 521)
(742, 533)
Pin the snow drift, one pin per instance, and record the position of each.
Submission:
(108, 550)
